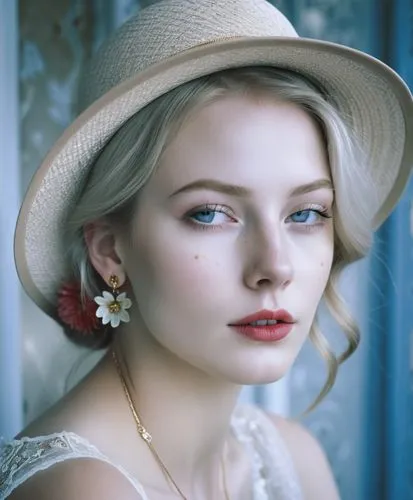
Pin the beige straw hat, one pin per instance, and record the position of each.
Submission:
(170, 43)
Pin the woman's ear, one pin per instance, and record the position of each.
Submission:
(102, 246)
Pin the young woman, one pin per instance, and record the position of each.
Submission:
(222, 174)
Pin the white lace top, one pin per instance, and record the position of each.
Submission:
(273, 471)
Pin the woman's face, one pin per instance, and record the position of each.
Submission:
(233, 222)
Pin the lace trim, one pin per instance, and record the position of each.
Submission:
(273, 472)
(21, 459)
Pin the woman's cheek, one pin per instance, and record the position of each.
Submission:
(196, 274)
(179, 266)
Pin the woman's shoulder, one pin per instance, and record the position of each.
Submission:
(79, 479)
(70, 467)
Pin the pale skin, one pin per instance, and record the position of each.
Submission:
(196, 260)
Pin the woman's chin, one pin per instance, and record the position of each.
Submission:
(258, 375)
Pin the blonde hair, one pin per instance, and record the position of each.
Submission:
(133, 153)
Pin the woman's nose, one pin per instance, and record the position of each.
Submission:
(269, 262)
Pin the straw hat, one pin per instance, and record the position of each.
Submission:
(170, 43)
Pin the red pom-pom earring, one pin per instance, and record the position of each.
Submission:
(78, 314)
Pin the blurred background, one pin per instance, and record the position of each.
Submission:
(366, 423)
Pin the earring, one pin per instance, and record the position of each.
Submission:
(112, 306)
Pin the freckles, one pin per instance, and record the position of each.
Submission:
(198, 256)
(207, 260)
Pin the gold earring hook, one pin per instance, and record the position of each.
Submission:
(114, 283)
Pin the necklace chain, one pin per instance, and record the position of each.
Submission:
(146, 436)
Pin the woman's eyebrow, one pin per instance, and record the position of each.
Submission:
(312, 186)
(214, 185)
(241, 191)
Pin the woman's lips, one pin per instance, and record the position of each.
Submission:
(269, 333)
(283, 320)
(265, 314)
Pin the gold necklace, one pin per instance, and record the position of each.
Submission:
(144, 434)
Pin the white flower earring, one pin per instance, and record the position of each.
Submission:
(112, 306)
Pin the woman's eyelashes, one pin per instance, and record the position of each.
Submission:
(310, 217)
(211, 216)
(216, 216)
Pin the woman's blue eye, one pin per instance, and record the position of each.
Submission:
(301, 216)
(215, 216)
(204, 216)
(308, 216)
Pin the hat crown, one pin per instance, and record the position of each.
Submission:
(170, 27)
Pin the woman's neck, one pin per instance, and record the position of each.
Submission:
(186, 411)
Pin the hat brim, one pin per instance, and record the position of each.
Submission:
(367, 91)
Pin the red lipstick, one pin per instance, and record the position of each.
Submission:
(265, 325)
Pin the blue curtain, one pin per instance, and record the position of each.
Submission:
(388, 443)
